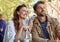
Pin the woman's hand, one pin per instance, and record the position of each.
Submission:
(26, 27)
(30, 24)
(18, 34)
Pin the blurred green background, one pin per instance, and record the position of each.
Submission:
(7, 7)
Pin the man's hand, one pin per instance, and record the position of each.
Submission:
(54, 41)
(57, 40)
(1, 30)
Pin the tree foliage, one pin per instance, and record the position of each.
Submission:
(7, 7)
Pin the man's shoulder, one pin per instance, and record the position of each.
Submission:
(54, 21)
(2, 21)
(35, 20)
(52, 18)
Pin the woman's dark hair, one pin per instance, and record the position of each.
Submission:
(35, 5)
(0, 14)
(16, 16)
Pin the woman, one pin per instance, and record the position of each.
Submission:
(16, 28)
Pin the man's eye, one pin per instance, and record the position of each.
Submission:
(39, 8)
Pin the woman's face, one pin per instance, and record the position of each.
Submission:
(23, 12)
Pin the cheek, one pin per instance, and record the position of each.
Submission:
(23, 15)
(22, 12)
(39, 10)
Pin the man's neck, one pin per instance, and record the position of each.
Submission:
(42, 19)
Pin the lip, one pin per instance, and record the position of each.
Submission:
(24, 14)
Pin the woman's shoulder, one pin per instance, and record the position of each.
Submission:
(10, 25)
(10, 21)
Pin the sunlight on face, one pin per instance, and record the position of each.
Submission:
(23, 12)
(40, 9)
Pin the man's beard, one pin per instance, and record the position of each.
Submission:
(41, 15)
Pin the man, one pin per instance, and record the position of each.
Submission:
(45, 28)
(2, 28)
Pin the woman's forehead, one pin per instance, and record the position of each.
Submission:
(24, 8)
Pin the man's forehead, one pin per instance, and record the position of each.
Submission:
(41, 5)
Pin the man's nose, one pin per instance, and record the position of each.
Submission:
(42, 10)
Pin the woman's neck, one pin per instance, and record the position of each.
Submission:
(21, 20)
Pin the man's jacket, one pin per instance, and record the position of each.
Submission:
(52, 27)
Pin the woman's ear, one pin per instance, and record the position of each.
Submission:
(17, 12)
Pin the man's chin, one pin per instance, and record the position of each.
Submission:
(41, 15)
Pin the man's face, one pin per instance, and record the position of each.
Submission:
(40, 10)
